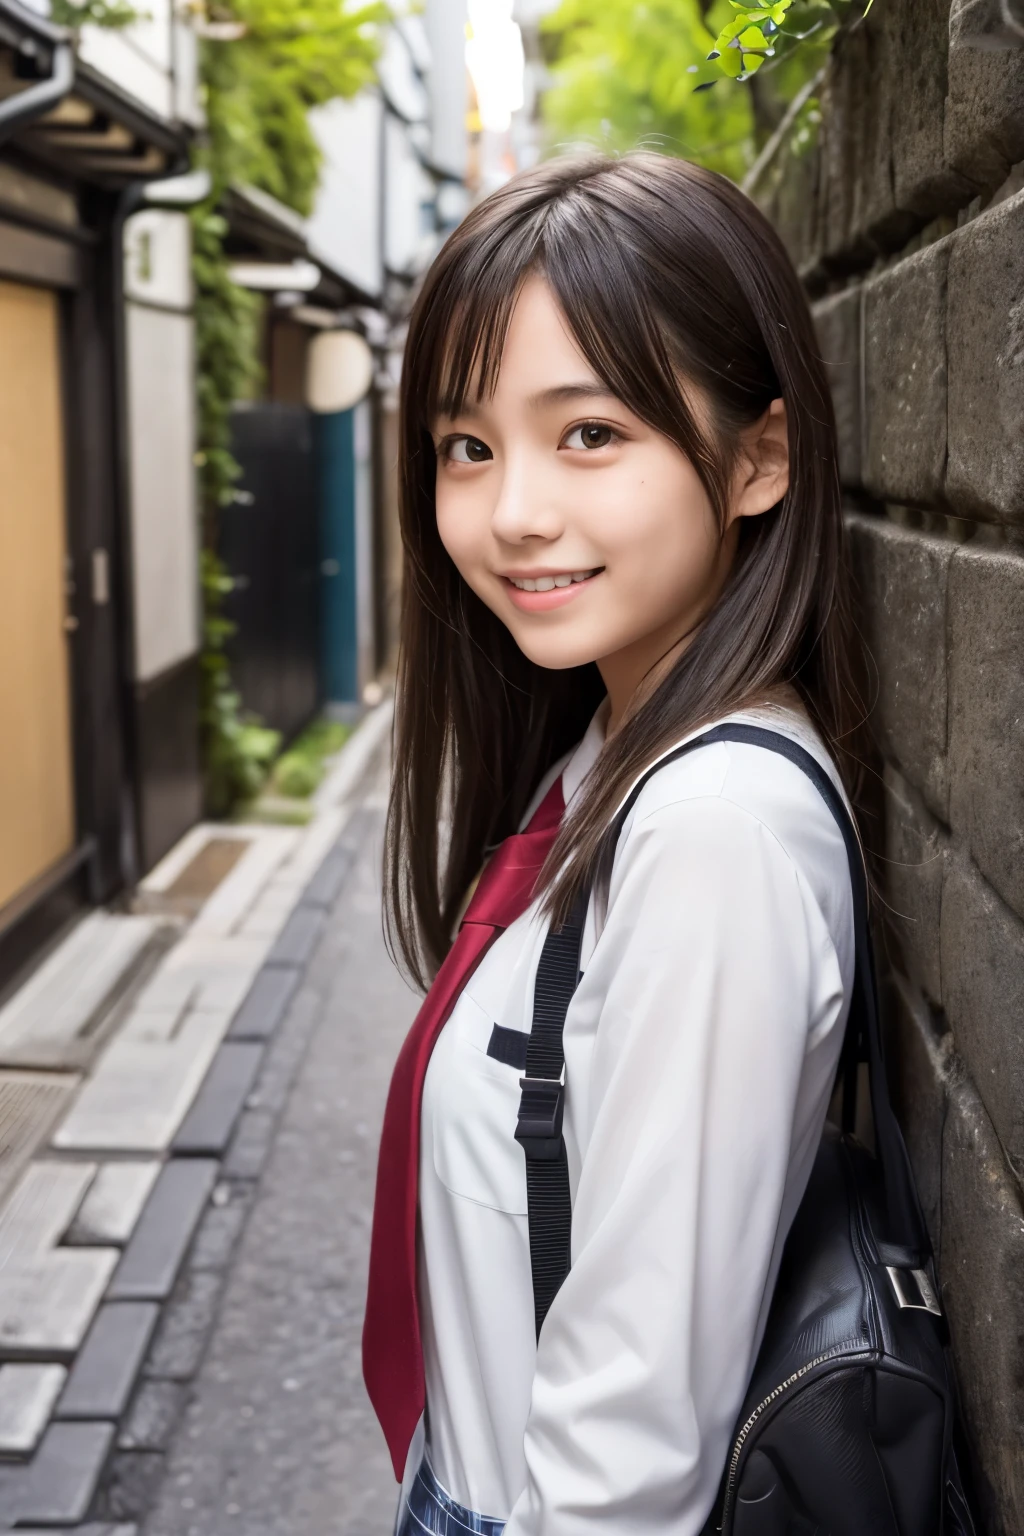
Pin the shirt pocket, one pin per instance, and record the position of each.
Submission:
(475, 1109)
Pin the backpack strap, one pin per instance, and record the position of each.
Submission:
(539, 1129)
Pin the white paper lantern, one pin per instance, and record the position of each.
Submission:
(339, 371)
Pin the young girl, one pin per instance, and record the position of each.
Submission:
(622, 526)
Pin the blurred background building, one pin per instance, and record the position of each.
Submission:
(113, 711)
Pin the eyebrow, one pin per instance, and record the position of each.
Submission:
(558, 394)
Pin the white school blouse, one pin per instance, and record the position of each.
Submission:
(700, 1048)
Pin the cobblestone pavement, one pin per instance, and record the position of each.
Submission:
(277, 1436)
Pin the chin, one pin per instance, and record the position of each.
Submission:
(556, 653)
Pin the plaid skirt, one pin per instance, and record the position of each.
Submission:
(427, 1507)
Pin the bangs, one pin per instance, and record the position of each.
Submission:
(469, 319)
(471, 347)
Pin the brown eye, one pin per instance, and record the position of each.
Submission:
(592, 434)
(467, 450)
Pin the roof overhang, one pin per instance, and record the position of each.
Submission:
(263, 230)
(64, 113)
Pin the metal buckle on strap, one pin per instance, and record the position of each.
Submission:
(539, 1128)
(914, 1290)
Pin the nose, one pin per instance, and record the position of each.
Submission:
(526, 507)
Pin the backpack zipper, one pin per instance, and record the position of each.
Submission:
(737, 1451)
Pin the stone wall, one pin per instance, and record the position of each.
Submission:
(906, 221)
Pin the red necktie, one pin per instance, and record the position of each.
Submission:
(392, 1348)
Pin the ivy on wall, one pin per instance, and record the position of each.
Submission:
(263, 65)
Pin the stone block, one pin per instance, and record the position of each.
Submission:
(48, 1022)
(180, 1343)
(984, 118)
(917, 1059)
(235, 895)
(983, 991)
(210, 973)
(47, 1301)
(114, 1202)
(324, 888)
(266, 1004)
(151, 1261)
(915, 854)
(48, 1294)
(986, 713)
(982, 1275)
(41, 1208)
(923, 183)
(838, 323)
(104, 1373)
(905, 379)
(858, 212)
(901, 577)
(788, 194)
(299, 938)
(27, 1395)
(143, 1086)
(985, 337)
(208, 1125)
(153, 1417)
(57, 1485)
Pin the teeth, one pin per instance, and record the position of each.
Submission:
(547, 583)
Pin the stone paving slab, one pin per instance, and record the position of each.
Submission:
(325, 886)
(266, 1004)
(41, 1208)
(205, 971)
(109, 1361)
(113, 1204)
(229, 904)
(143, 1088)
(151, 1261)
(46, 1023)
(47, 1301)
(297, 942)
(27, 1395)
(57, 1486)
(210, 1121)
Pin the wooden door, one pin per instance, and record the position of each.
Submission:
(37, 824)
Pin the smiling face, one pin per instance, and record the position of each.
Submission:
(587, 532)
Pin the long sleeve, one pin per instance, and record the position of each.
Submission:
(700, 1051)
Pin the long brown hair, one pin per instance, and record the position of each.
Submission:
(667, 275)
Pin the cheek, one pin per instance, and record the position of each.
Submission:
(668, 543)
(458, 526)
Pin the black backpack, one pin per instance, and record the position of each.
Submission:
(848, 1424)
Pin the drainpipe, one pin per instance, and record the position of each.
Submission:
(25, 106)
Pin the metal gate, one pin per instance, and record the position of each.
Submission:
(269, 541)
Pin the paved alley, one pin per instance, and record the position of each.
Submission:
(278, 1437)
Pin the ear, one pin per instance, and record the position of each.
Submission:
(761, 477)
